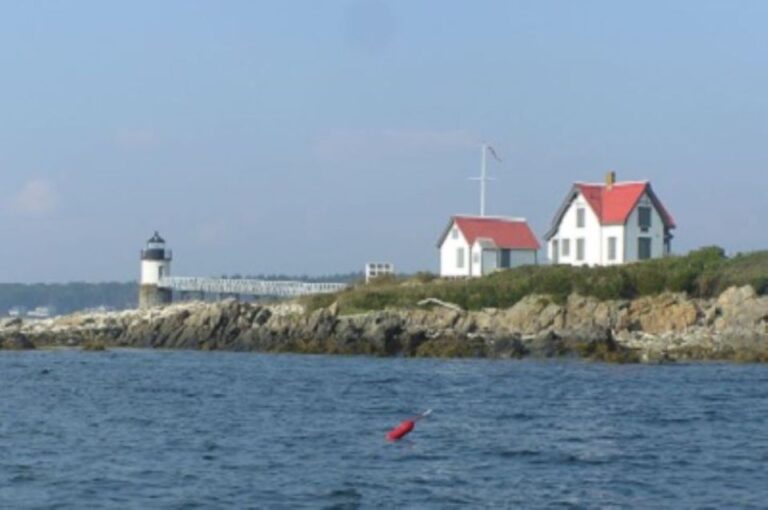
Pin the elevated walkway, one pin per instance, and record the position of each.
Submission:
(247, 286)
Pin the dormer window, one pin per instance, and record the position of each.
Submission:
(644, 218)
(580, 219)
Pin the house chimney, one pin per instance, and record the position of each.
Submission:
(610, 179)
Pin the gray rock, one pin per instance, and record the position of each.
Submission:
(13, 322)
(16, 342)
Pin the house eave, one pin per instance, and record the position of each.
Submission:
(446, 230)
(569, 198)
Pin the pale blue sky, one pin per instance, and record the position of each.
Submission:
(310, 137)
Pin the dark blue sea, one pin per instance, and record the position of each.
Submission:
(172, 429)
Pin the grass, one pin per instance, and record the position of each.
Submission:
(701, 273)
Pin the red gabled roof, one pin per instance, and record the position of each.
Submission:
(613, 205)
(512, 234)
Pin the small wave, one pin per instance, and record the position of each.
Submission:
(23, 477)
(678, 420)
(386, 380)
(517, 417)
(508, 454)
(575, 459)
(343, 499)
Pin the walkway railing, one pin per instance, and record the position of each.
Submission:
(247, 286)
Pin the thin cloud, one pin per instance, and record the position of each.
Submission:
(390, 143)
(37, 197)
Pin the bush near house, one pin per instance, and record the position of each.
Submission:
(702, 273)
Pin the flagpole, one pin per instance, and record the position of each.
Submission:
(482, 180)
(485, 148)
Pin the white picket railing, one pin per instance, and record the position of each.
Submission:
(245, 286)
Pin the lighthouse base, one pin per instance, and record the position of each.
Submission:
(152, 295)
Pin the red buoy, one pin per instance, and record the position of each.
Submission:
(401, 430)
(405, 427)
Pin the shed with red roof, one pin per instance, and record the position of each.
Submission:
(610, 223)
(478, 245)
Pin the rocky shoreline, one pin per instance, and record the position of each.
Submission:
(667, 327)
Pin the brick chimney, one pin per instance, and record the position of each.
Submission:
(610, 179)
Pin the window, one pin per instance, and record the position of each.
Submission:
(455, 233)
(476, 258)
(643, 248)
(644, 218)
(555, 251)
(580, 249)
(506, 258)
(460, 258)
(580, 217)
(611, 248)
(566, 246)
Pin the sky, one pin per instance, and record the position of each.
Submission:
(307, 137)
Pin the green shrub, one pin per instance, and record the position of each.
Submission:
(707, 284)
(610, 283)
(683, 281)
(702, 273)
(558, 281)
(709, 256)
(648, 280)
(760, 284)
(424, 276)
(94, 345)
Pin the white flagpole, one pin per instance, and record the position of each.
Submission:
(484, 147)
(483, 178)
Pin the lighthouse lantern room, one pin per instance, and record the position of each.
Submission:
(155, 265)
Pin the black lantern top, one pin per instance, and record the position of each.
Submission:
(155, 249)
(156, 239)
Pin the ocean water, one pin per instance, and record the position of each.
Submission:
(174, 429)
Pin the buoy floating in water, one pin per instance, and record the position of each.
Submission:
(406, 427)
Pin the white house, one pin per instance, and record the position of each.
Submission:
(478, 245)
(610, 223)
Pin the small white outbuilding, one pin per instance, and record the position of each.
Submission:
(375, 269)
(479, 245)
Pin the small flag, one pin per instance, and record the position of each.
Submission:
(493, 153)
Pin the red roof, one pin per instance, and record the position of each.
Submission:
(512, 234)
(613, 205)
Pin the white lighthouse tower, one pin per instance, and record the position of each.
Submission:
(155, 265)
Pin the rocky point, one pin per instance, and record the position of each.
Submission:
(665, 327)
